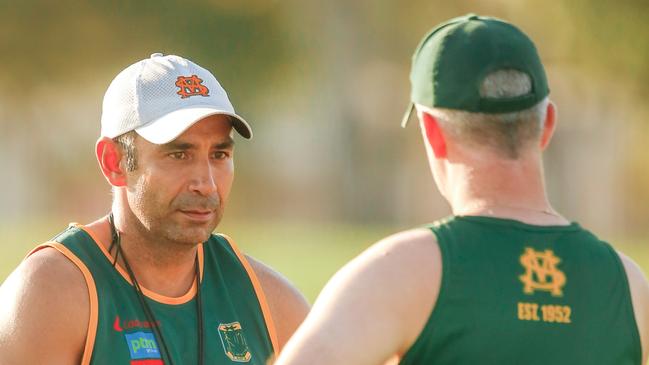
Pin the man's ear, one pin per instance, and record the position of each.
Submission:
(434, 135)
(109, 156)
(549, 125)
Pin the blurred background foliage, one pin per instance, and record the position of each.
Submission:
(324, 85)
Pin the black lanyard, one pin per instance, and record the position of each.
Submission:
(116, 241)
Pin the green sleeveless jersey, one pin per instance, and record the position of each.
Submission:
(237, 327)
(514, 293)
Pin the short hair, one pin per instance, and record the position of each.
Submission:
(126, 142)
(505, 133)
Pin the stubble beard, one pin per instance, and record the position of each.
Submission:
(164, 222)
(189, 234)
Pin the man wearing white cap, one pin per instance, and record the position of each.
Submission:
(149, 283)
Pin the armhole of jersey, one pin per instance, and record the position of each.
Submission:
(429, 326)
(92, 296)
(259, 291)
(636, 330)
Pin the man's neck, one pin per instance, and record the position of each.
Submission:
(512, 189)
(165, 268)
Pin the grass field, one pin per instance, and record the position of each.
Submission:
(308, 254)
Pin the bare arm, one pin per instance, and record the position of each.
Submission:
(44, 312)
(288, 307)
(640, 298)
(374, 308)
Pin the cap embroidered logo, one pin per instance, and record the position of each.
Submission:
(191, 86)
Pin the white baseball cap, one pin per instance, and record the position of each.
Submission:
(161, 96)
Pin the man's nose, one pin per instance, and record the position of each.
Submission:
(204, 179)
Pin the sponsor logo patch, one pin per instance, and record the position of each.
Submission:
(142, 345)
(132, 324)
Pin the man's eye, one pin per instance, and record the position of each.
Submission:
(178, 155)
(219, 155)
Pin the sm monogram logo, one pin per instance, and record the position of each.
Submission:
(191, 86)
(541, 272)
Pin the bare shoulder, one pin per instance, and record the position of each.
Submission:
(46, 294)
(409, 263)
(637, 282)
(397, 280)
(287, 305)
(387, 293)
(401, 264)
(640, 298)
(412, 245)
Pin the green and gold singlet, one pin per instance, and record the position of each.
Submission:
(513, 293)
(236, 320)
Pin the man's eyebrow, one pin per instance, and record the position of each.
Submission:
(174, 145)
(228, 143)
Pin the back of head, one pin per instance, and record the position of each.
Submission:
(506, 134)
(484, 82)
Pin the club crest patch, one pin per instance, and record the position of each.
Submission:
(234, 342)
(191, 86)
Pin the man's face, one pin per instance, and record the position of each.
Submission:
(179, 189)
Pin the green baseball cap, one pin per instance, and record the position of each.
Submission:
(451, 62)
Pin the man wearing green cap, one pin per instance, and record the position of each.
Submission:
(504, 280)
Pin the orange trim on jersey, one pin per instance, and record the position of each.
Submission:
(261, 297)
(201, 260)
(149, 293)
(92, 296)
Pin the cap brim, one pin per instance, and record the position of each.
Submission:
(407, 115)
(170, 126)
